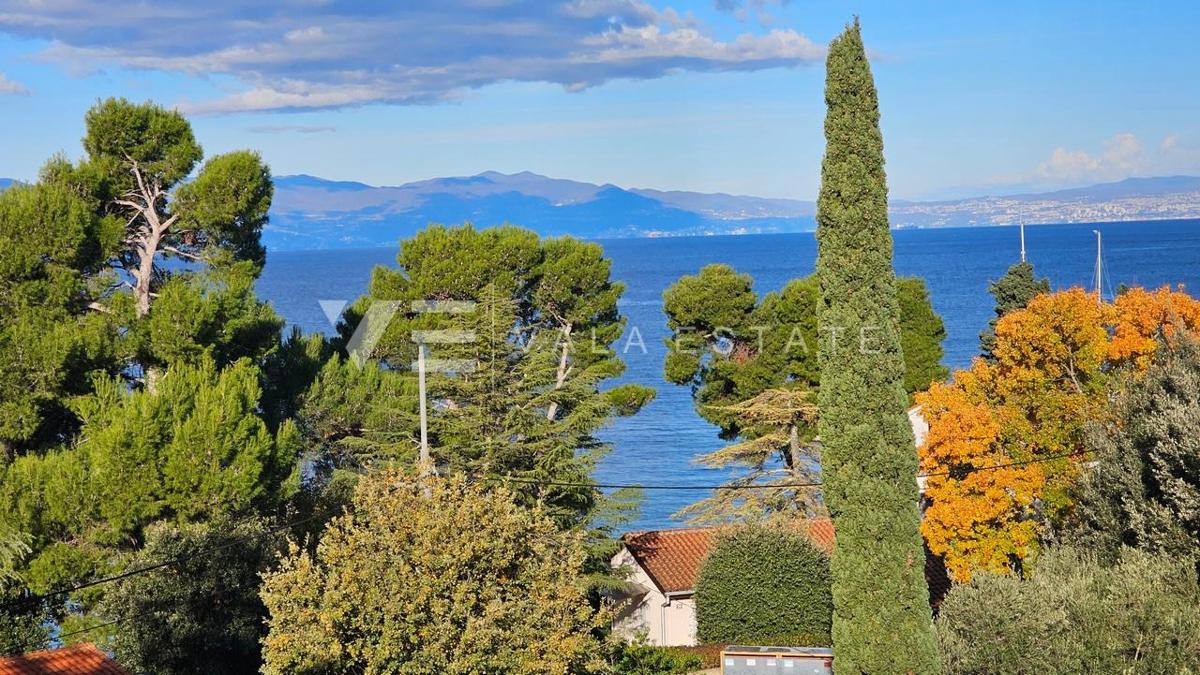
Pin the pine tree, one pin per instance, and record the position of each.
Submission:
(543, 321)
(881, 620)
(1012, 291)
(753, 369)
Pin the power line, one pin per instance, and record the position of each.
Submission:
(32, 599)
(29, 646)
(511, 479)
(767, 486)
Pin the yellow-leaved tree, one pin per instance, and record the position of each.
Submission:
(1025, 411)
(462, 580)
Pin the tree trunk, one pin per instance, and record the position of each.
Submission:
(794, 449)
(561, 377)
(145, 271)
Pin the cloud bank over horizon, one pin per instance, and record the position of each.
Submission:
(304, 55)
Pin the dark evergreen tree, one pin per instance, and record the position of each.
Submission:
(753, 368)
(542, 319)
(881, 615)
(1012, 291)
(204, 615)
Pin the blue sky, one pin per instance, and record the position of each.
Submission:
(709, 96)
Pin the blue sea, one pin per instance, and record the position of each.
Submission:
(659, 444)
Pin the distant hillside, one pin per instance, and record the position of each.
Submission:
(1162, 198)
(310, 212)
(313, 213)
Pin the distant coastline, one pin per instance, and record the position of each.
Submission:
(312, 213)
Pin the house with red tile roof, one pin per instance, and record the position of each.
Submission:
(81, 659)
(664, 564)
(659, 600)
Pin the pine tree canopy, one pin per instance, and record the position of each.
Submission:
(743, 356)
(1012, 291)
(542, 322)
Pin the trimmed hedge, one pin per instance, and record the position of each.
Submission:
(764, 585)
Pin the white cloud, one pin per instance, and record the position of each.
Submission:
(303, 54)
(1121, 156)
(10, 88)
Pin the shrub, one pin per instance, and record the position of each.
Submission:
(202, 615)
(764, 585)
(461, 580)
(640, 658)
(1145, 489)
(1074, 615)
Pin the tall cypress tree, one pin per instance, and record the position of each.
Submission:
(881, 617)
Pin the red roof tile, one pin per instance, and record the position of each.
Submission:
(81, 659)
(672, 558)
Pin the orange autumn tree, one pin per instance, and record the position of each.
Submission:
(1142, 315)
(1028, 408)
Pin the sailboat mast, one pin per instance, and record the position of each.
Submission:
(1022, 220)
(1099, 269)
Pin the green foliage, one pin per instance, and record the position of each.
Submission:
(192, 450)
(921, 336)
(226, 206)
(743, 358)
(544, 322)
(461, 581)
(49, 239)
(881, 617)
(1012, 291)
(639, 658)
(1076, 615)
(21, 630)
(209, 314)
(764, 585)
(1144, 490)
(158, 140)
(354, 417)
(200, 616)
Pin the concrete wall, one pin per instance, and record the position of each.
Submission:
(646, 611)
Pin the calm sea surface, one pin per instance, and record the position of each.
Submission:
(659, 444)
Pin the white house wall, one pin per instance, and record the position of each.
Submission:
(661, 620)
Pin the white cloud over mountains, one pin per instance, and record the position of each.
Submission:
(304, 54)
(1121, 156)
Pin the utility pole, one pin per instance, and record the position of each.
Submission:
(425, 460)
(1099, 270)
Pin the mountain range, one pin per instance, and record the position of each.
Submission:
(311, 212)
(314, 213)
